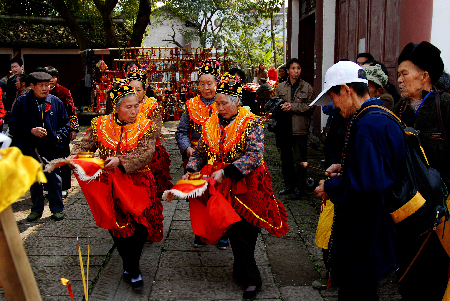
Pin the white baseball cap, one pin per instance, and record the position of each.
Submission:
(341, 73)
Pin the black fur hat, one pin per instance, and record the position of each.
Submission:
(426, 56)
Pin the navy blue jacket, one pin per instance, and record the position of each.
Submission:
(27, 114)
(362, 249)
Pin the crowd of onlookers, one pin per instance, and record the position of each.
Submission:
(364, 155)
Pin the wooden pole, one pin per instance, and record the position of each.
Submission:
(16, 274)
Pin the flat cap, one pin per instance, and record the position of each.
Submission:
(41, 76)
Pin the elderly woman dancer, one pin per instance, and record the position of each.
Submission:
(232, 147)
(198, 110)
(160, 164)
(124, 198)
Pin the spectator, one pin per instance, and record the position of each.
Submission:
(22, 85)
(377, 80)
(272, 73)
(66, 97)
(419, 69)
(40, 128)
(261, 72)
(264, 86)
(389, 88)
(360, 255)
(248, 97)
(293, 120)
(361, 58)
(282, 74)
(16, 69)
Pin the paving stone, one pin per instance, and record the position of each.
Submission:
(178, 259)
(217, 258)
(181, 225)
(304, 293)
(193, 273)
(182, 215)
(184, 234)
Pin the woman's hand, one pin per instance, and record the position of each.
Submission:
(185, 177)
(73, 135)
(217, 176)
(189, 151)
(70, 158)
(111, 163)
(170, 197)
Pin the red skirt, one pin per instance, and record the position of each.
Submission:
(251, 198)
(160, 167)
(120, 201)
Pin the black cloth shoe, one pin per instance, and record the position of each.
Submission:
(251, 292)
(126, 277)
(298, 195)
(137, 285)
(286, 191)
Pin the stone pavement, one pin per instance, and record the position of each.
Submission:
(173, 269)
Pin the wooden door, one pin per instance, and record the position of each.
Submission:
(306, 47)
(370, 24)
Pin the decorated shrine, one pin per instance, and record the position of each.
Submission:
(171, 74)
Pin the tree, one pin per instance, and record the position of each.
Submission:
(99, 13)
(266, 9)
(206, 19)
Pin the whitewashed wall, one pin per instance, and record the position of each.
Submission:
(439, 29)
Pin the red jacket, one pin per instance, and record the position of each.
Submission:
(64, 95)
(272, 73)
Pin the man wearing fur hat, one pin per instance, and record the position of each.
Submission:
(419, 68)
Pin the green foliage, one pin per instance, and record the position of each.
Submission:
(231, 23)
(81, 9)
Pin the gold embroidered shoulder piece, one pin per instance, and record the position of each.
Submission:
(150, 107)
(227, 141)
(198, 111)
(114, 139)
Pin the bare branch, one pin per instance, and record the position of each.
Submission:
(173, 39)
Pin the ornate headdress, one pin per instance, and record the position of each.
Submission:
(120, 91)
(137, 74)
(230, 85)
(209, 66)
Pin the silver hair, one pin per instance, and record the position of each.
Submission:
(124, 97)
(234, 99)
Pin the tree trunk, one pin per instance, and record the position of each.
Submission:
(142, 20)
(272, 33)
(74, 27)
(106, 11)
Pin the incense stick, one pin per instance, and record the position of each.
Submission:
(82, 267)
(87, 270)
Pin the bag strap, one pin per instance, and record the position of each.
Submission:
(385, 112)
(441, 123)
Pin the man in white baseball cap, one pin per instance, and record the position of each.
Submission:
(361, 251)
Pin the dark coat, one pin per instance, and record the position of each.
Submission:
(27, 114)
(426, 123)
(361, 245)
